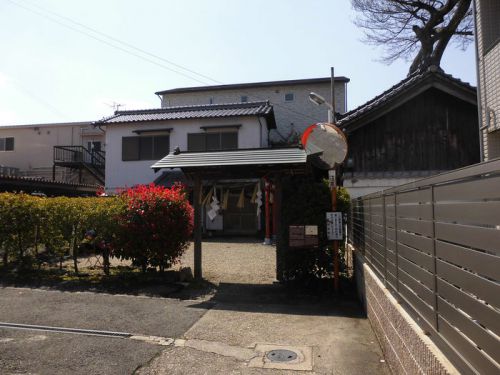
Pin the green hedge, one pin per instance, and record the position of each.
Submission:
(35, 228)
(150, 225)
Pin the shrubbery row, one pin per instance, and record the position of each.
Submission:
(150, 225)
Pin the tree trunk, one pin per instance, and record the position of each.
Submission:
(75, 258)
(5, 256)
(447, 33)
(106, 263)
(75, 252)
(20, 244)
(37, 231)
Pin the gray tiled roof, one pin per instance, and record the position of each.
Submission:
(261, 156)
(193, 112)
(400, 89)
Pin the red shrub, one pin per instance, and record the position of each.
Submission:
(156, 225)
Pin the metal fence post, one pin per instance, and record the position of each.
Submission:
(434, 263)
(384, 225)
(396, 242)
(371, 237)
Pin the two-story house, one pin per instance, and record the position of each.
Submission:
(137, 139)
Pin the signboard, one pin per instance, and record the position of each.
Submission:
(311, 230)
(331, 178)
(303, 236)
(334, 225)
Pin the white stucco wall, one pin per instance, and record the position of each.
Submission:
(121, 174)
(33, 144)
(290, 116)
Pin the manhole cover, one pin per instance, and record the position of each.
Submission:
(281, 355)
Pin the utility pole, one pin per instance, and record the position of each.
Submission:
(335, 243)
(333, 186)
(197, 228)
(332, 88)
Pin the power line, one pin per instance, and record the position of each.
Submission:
(107, 43)
(128, 45)
(123, 43)
(39, 100)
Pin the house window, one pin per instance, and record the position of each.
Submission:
(145, 148)
(289, 97)
(490, 27)
(7, 144)
(212, 141)
(244, 99)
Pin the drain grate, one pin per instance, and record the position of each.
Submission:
(91, 332)
(281, 355)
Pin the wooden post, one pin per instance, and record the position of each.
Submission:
(197, 227)
(267, 239)
(335, 244)
(277, 229)
(274, 212)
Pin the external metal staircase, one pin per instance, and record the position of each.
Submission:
(80, 158)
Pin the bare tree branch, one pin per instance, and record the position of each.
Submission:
(417, 30)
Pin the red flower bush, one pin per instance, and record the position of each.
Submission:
(156, 226)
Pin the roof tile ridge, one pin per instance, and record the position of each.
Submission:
(190, 107)
(384, 93)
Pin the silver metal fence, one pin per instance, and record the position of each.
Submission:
(435, 243)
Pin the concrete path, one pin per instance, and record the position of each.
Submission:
(247, 322)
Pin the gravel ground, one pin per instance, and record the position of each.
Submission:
(243, 261)
(230, 260)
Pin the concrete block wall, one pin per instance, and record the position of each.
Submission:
(406, 348)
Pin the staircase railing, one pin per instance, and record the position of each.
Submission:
(79, 154)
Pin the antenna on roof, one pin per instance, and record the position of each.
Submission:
(116, 106)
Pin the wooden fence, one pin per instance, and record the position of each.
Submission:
(435, 243)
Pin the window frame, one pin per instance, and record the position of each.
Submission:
(206, 134)
(141, 153)
(5, 143)
(289, 95)
(487, 22)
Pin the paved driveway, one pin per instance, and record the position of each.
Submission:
(248, 312)
(28, 351)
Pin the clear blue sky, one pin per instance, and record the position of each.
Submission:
(50, 73)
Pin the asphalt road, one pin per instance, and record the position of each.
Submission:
(28, 351)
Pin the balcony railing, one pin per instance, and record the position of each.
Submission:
(78, 154)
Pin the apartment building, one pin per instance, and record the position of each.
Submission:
(290, 99)
(487, 16)
(34, 150)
